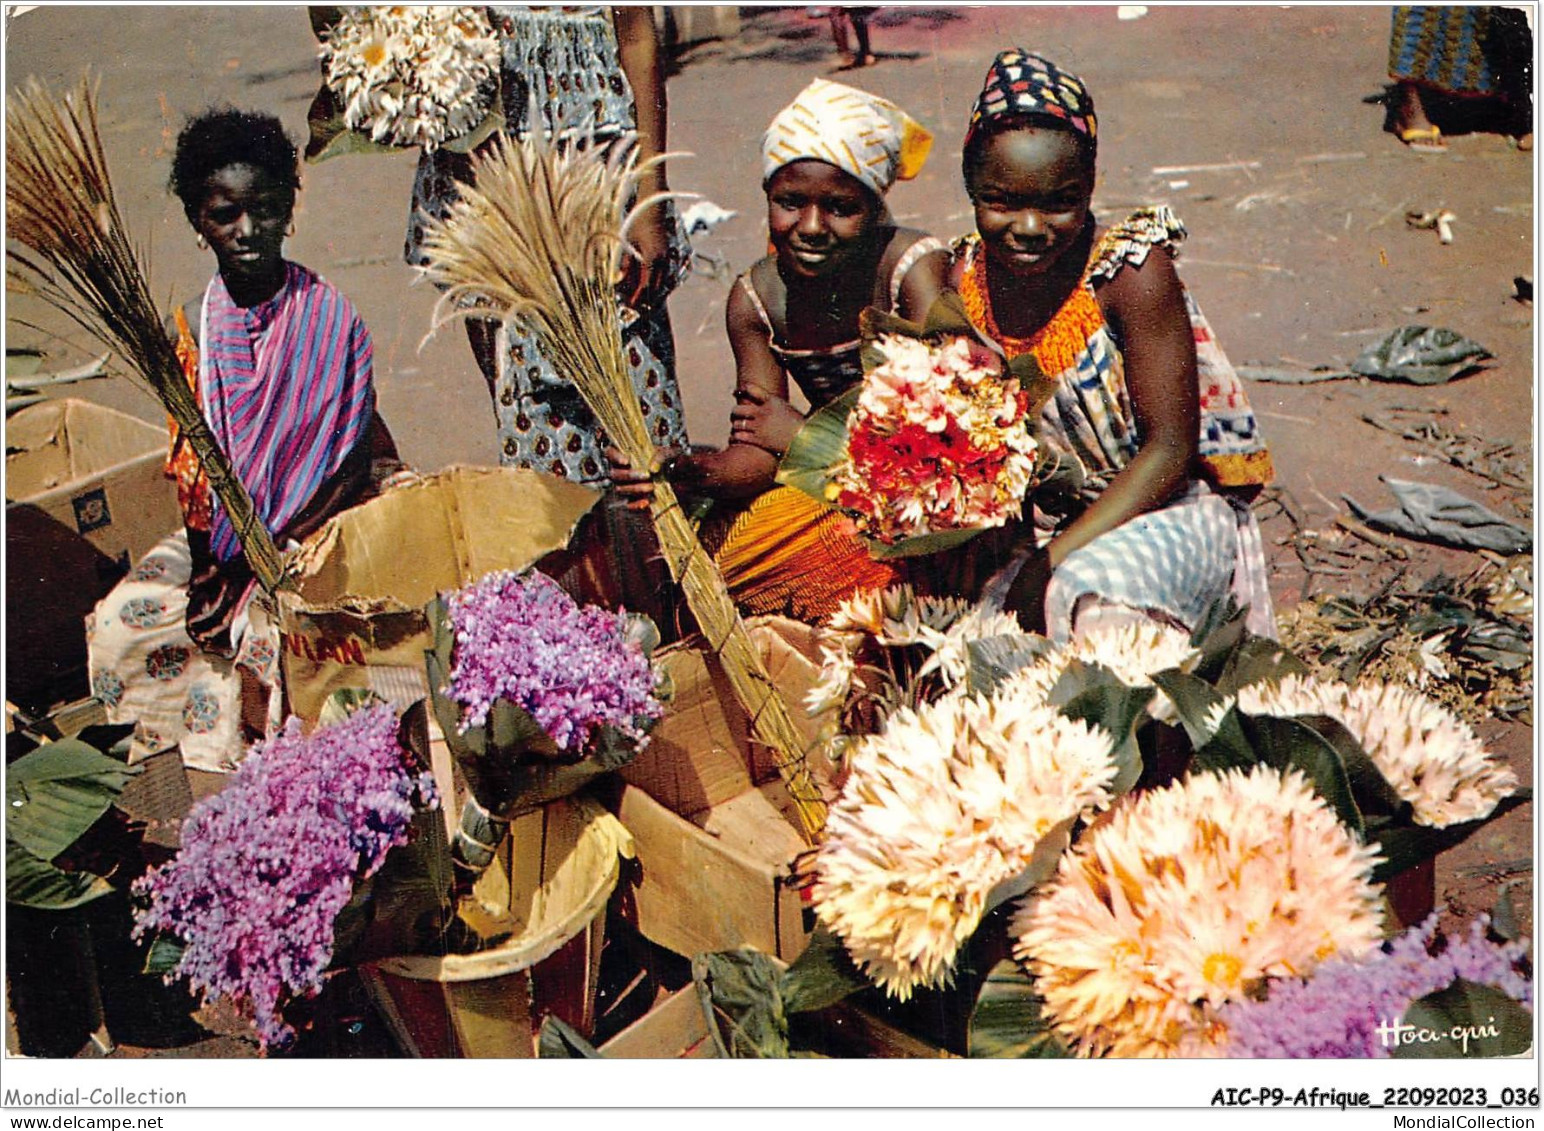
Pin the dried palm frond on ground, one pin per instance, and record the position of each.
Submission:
(1466, 642)
(539, 237)
(1491, 460)
(75, 254)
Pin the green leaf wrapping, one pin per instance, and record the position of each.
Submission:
(821, 976)
(57, 792)
(33, 882)
(163, 954)
(1009, 1018)
(1094, 694)
(741, 997)
(992, 659)
(818, 446)
(1404, 846)
(1466, 1020)
(1292, 744)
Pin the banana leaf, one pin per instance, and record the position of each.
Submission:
(1092, 693)
(819, 445)
(992, 659)
(33, 882)
(57, 792)
(1466, 1020)
(1009, 1022)
(821, 976)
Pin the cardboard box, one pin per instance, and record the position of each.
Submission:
(720, 880)
(356, 619)
(86, 497)
(701, 754)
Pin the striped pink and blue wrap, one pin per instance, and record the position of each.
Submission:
(287, 388)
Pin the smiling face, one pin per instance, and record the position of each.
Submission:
(820, 217)
(243, 214)
(1031, 188)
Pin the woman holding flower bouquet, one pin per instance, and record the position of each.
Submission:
(280, 364)
(828, 159)
(1147, 417)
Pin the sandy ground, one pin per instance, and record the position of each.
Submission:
(1293, 195)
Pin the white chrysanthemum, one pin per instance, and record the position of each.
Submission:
(1133, 653)
(947, 803)
(1432, 758)
(829, 691)
(1185, 898)
(412, 76)
(951, 647)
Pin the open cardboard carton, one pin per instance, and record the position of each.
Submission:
(356, 617)
(86, 496)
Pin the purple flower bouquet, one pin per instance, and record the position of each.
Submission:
(269, 862)
(536, 695)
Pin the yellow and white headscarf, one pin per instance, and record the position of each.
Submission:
(860, 133)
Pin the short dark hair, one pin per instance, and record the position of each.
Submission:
(223, 136)
(1006, 123)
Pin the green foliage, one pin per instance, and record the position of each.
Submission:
(820, 445)
(822, 976)
(559, 1040)
(53, 796)
(1092, 693)
(1472, 1021)
(1009, 1019)
(32, 882)
(992, 659)
(163, 954)
(1404, 846)
(57, 792)
(741, 995)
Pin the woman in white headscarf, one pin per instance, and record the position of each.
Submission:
(828, 159)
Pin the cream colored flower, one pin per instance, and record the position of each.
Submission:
(944, 805)
(1433, 759)
(1133, 653)
(412, 76)
(1185, 898)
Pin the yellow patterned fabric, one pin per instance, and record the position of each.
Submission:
(866, 136)
(790, 555)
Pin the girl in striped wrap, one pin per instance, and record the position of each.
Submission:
(281, 366)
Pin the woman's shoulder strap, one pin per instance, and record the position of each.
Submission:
(1131, 239)
(747, 283)
(913, 246)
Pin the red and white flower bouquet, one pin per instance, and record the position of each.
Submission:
(935, 445)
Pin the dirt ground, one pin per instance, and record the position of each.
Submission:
(1293, 195)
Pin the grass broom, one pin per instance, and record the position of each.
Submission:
(540, 237)
(73, 251)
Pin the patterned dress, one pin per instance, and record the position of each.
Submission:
(1485, 50)
(1173, 561)
(563, 62)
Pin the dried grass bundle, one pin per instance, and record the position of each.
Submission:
(75, 254)
(540, 237)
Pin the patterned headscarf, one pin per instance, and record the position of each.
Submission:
(860, 133)
(1019, 82)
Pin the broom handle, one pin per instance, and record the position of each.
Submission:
(256, 543)
(720, 622)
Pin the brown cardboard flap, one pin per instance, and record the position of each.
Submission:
(366, 576)
(53, 443)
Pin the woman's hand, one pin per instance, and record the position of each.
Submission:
(763, 420)
(645, 275)
(636, 485)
